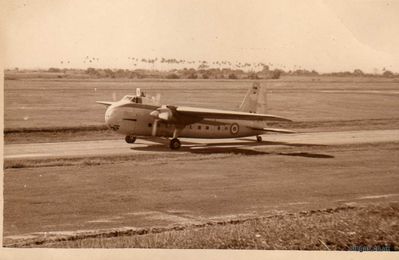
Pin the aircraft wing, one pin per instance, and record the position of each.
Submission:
(106, 103)
(224, 114)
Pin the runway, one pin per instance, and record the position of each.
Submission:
(119, 147)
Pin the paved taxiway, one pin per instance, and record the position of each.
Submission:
(145, 193)
(119, 147)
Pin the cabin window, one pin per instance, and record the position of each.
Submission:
(219, 128)
(199, 127)
(149, 125)
(207, 127)
(226, 128)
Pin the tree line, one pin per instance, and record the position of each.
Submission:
(223, 73)
(185, 73)
(204, 71)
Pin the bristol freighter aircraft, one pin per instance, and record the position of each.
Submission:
(142, 116)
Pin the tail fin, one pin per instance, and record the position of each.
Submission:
(255, 100)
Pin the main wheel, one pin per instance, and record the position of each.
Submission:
(130, 139)
(259, 138)
(174, 144)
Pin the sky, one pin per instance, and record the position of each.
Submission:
(312, 34)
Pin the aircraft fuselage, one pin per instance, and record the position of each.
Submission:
(137, 121)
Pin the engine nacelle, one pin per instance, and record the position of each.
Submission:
(162, 113)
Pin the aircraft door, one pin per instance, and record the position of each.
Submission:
(130, 121)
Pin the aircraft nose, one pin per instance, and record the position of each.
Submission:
(111, 119)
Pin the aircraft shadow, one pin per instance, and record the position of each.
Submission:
(226, 148)
(282, 143)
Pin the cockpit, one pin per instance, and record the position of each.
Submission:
(133, 99)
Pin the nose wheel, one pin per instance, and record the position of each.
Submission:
(174, 144)
(130, 139)
(259, 138)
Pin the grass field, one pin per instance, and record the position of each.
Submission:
(65, 103)
(372, 228)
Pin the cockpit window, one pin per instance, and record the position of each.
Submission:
(127, 98)
(131, 99)
(137, 100)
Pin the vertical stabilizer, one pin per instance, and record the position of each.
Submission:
(255, 100)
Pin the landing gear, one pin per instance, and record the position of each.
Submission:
(174, 144)
(130, 139)
(259, 138)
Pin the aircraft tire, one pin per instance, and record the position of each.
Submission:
(130, 139)
(259, 138)
(174, 144)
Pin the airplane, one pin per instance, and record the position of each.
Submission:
(141, 116)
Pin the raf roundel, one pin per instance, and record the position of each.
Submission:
(234, 128)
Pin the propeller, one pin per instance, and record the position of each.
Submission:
(163, 113)
(154, 127)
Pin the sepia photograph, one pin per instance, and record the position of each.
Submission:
(229, 125)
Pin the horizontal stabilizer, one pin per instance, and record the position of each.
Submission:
(106, 103)
(276, 130)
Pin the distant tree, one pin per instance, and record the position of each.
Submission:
(109, 73)
(276, 74)
(131, 75)
(388, 74)
(314, 73)
(265, 68)
(192, 76)
(358, 73)
(54, 70)
(172, 76)
(341, 74)
(253, 75)
(139, 75)
(232, 76)
(91, 71)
